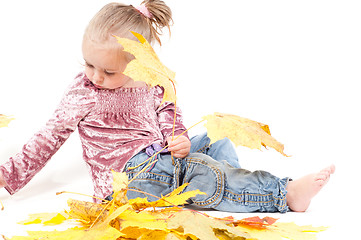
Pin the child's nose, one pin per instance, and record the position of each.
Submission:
(98, 77)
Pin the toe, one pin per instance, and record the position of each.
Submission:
(319, 183)
(321, 177)
(328, 171)
(333, 168)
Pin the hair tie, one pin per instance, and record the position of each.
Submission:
(144, 10)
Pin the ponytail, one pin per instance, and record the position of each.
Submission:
(160, 17)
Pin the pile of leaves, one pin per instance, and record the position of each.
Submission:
(140, 219)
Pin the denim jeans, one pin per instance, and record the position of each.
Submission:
(213, 170)
(220, 150)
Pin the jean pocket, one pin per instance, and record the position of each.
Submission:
(202, 173)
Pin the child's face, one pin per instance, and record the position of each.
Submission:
(104, 66)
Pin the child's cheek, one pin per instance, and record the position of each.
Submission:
(89, 73)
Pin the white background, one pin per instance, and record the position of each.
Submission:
(294, 65)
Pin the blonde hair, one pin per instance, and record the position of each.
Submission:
(119, 19)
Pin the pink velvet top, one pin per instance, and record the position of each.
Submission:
(114, 125)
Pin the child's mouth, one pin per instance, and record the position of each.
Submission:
(97, 86)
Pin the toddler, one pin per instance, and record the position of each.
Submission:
(122, 122)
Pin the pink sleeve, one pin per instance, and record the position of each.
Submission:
(166, 116)
(21, 168)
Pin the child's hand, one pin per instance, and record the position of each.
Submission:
(179, 147)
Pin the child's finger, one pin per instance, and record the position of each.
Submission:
(178, 143)
(173, 142)
(181, 153)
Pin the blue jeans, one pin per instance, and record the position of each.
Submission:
(227, 187)
(219, 151)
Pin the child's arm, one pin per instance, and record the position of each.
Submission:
(21, 168)
(165, 114)
(180, 147)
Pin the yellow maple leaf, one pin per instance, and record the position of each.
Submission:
(161, 235)
(147, 67)
(5, 120)
(174, 198)
(146, 234)
(143, 219)
(241, 131)
(120, 181)
(46, 218)
(120, 185)
(86, 212)
(102, 232)
(200, 226)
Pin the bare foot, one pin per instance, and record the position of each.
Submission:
(301, 191)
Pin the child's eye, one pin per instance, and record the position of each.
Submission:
(88, 65)
(109, 73)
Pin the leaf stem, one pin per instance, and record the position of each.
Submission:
(175, 109)
(86, 195)
(139, 191)
(101, 213)
(175, 115)
(141, 171)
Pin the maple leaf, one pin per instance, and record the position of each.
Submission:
(102, 230)
(147, 67)
(86, 212)
(280, 231)
(46, 218)
(120, 185)
(256, 222)
(241, 131)
(143, 219)
(291, 230)
(202, 227)
(97, 233)
(161, 235)
(5, 120)
(174, 198)
(146, 234)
